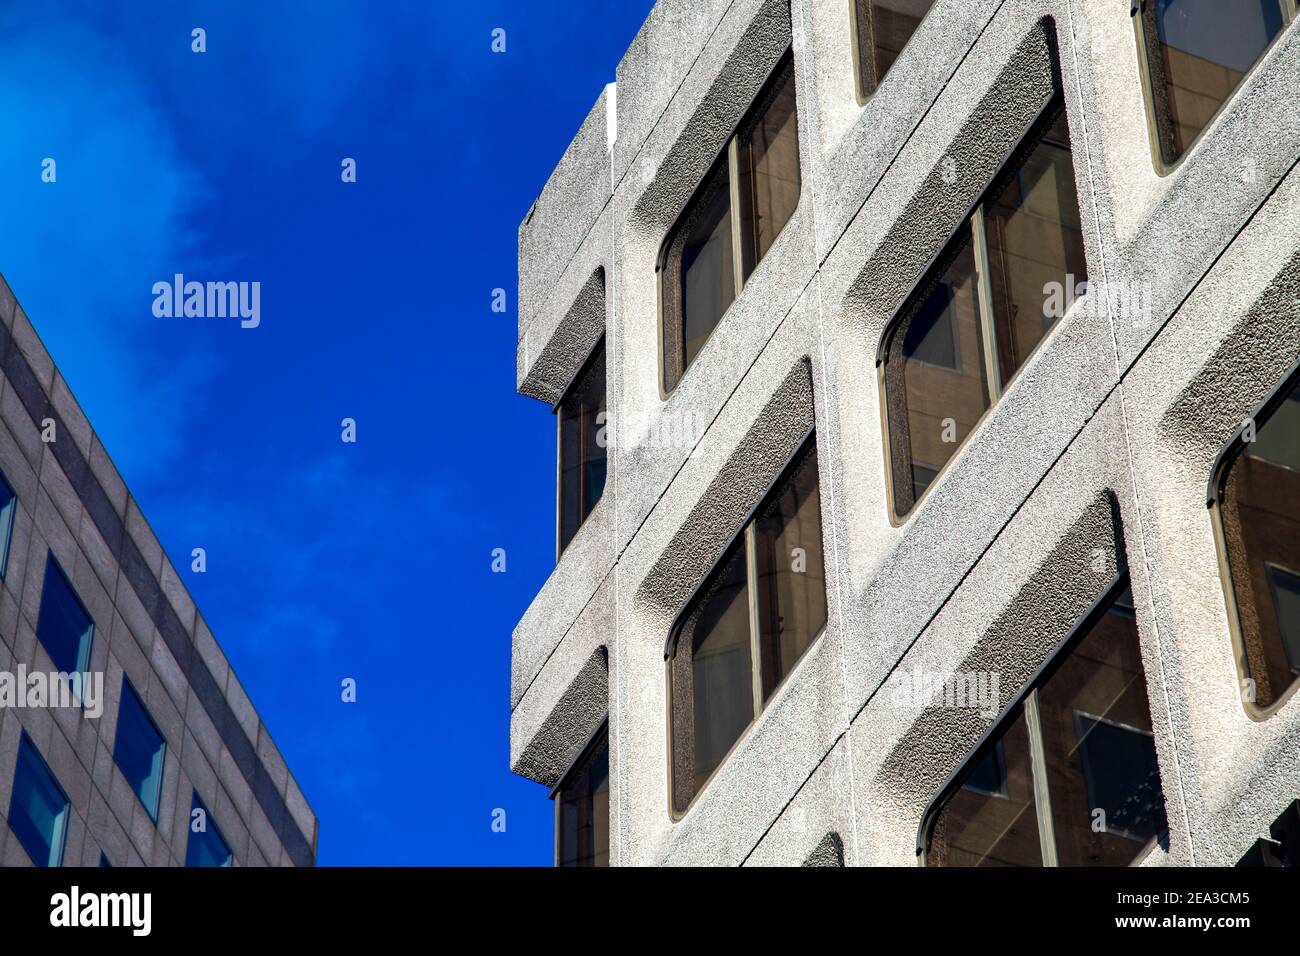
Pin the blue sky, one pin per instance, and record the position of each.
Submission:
(325, 560)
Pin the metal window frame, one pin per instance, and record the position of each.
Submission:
(1034, 135)
(557, 410)
(1214, 495)
(1290, 10)
(1025, 701)
(806, 443)
(728, 154)
(594, 740)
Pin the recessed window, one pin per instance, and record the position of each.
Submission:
(881, 28)
(730, 224)
(206, 846)
(582, 808)
(38, 807)
(751, 622)
(581, 415)
(1195, 54)
(991, 297)
(1258, 503)
(1069, 775)
(139, 749)
(63, 624)
(8, 509)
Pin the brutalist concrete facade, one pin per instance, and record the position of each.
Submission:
(1102, 446)
(72, 504)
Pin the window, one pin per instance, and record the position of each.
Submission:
(1255, 490)
(881, 28)
(1068, 776)
(1195, 53)
(730, 224)
(582, 807)
(38, 807)
(581, 415)
(8, 508)
(750, 623)
(993, 294)
(139, 749)
(63, 624)
(206, 846)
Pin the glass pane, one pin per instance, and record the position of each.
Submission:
(1197, 53)
(1261, 534)
(991, 819)
(1035, 245)
(712, 674)
(1102, 775)
(8, 505)
(62, 623)
(791, 584)
(707, 266)
(139, 749)
(769, 169)
(206, 847)
(883, 29)
(582, 447)
(584, 811)
(38, 809)
(936, 367)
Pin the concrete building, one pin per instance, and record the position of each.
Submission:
(155, 756)
(927, 330)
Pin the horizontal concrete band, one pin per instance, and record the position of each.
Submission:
(148, 589)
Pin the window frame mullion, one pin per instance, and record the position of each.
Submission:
(733, 190)
(984, 288)
(751, 586)
(1038, 768)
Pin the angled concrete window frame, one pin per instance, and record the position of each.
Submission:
(8, 516)
(581, 447)
(870, 36)
(1167, 152)
(1248, 574)
(990, 353)
(759, 629)
(720, 237)
(582, 805)
(1024, 714)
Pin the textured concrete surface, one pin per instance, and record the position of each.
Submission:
(1101, 446)
(72, 503)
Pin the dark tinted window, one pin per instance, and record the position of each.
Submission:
(1259, 512)
(139, 749)
(882, 29)
(8, 508)
(582, 809)
(206, 846)
(38, 807)
(1197, 53)
(583, 446)
(62, 624)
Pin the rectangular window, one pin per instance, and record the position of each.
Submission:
(63, 623)
(206, 846)
(730, 224)
(38, 807)
(990, 299)
(750, 623)
(581, 415)
(8, 510)
(1195, 53)
(139, 749)
(1073, 761)
(881, 28)
(582, 808)
(1256, 493)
